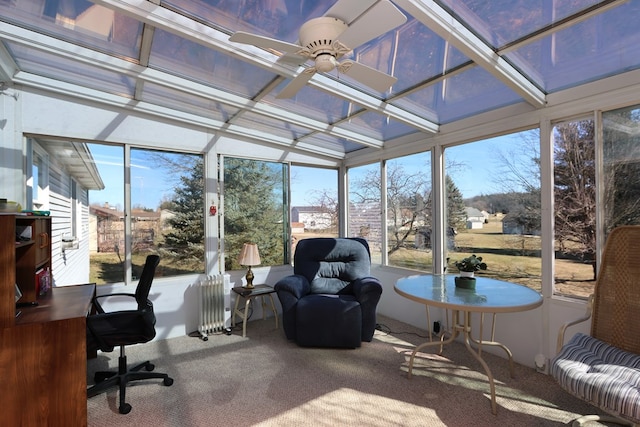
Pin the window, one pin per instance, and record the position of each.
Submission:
(365, 208)
(621, 167)
(314, 203)
(574, 207)
(409, 212)
(167, 211)
(492, 192)
(166, 215)
(106, 216)
(255, 210)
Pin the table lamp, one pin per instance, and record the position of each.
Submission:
(249, 256)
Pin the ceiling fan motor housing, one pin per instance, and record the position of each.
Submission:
(319, 34)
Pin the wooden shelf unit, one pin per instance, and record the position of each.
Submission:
(33, 255)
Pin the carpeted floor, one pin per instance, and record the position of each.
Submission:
(263, 380)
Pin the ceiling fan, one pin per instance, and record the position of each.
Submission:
(325, 40)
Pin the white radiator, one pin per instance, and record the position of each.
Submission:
(214, 302)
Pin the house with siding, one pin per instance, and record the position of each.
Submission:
(59, 182)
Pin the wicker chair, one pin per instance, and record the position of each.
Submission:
(603, 368)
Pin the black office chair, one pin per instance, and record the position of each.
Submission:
(121, 328)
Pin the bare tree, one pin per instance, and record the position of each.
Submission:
(575, 189)
(327, 201)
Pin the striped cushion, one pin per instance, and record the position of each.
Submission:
(601, 374)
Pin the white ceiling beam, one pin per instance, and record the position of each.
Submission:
(8, 67)
(91, 57)
(446, 26)
(104, 98)
(189, 29)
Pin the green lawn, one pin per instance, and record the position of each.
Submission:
(109, 267)
(514, 258)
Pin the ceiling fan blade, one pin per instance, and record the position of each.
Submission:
(349, 10)
(264, 42)
(368, 76)
(296, 84)
(382, 17)
(291, 59)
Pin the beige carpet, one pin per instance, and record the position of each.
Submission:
(263, 380)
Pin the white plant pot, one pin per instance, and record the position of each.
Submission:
(466, 274)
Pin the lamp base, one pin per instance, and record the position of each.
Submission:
(249, 278)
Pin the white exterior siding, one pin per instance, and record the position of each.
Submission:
(69, 267)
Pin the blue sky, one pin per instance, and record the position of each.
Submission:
(149, 184)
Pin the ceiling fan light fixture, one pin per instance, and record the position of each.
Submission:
(325, 62)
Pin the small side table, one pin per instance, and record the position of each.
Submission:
(249, 294)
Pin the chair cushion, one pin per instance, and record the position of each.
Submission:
(329, 321)
(601, 374)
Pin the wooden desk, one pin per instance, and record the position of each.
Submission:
(43, 364)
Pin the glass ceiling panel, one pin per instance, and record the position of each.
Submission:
(502, 21)
(78, 21)
(470, 92)
(376, 126)
(269, 125)
(182, 101)
(333, 143)
(184, 58)
(420, 54)
(66, 70)
(312, 103)
(606, 44)
(272, 18)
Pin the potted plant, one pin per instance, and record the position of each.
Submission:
(467, 268)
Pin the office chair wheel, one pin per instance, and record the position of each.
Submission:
(125, 408)
(149, 367)
(168, 381)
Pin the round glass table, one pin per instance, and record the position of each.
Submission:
(490, 296)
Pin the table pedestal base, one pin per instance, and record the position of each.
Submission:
(464, 327)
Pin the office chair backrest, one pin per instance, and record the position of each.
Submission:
(146, 278)
(616, 303)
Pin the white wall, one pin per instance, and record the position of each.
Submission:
(11, 149)
(176, 306)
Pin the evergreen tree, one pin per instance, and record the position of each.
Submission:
(185, 240)
(456, 213)
(254, 209)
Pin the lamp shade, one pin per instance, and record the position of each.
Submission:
(249, 255)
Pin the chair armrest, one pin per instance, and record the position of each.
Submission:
(564, 327)
(366, 286)
(296, 284)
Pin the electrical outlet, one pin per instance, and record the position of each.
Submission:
(436, 327)
(540, 363)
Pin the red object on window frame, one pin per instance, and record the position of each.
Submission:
(212, 210)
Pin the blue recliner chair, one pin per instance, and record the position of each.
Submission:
(330, 300)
